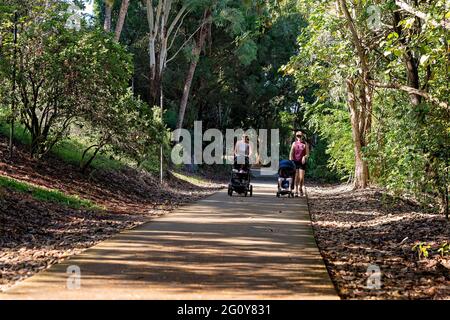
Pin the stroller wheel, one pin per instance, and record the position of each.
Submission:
(245, 194)
(251, 191)
(230, 191)
(278, 194)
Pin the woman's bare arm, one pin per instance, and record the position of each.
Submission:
(305, 158)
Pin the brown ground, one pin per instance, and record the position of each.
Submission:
(357, 228)
(34, 235)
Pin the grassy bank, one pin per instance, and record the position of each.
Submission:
(46, 195)
(71, 149)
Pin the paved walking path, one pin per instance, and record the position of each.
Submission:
(218, 248)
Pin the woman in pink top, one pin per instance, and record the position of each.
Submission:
(299, 154)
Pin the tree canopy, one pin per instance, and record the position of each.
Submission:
(366, 80)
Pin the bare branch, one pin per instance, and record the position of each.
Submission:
(186, 42)
(410, 90)
(177, 30)
(356, 38)
(175, 20)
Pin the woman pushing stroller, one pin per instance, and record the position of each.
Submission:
(240, 175)
(299, 154)
(242, 153)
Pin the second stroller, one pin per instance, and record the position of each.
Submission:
(286, 177)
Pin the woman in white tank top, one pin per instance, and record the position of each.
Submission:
(242, 152)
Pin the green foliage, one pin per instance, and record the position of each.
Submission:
(444, 249)
(319, 163)
(246, 52)
(421, 248)
(75, 83)
(70, 149)
(410, 158)
(232, 19)
(127, 128)
(408, 146)
(21, 135)
(63, 76)
(320, 68)
(266, 64)
(111, 157)
(46, 195)
(331, 121)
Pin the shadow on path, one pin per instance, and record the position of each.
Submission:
(219, 248)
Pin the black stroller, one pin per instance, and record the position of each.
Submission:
(286, 177)
(240, 179)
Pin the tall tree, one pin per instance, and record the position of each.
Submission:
(121, 19)
(393, 78)
(360, 115)
(109, 4)
(196, 50)
(163, 29)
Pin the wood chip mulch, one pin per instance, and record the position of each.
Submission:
(356, 229)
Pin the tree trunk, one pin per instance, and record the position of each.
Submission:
(108, 11)
(13, 104)
(154, 88)
(160, 29)
(361, 179)
(187, 88)
(445, 200)
(83, 167)
(360, 117)
(411, 63)
(154, 81)
(203, 32)
(413, 77)
(121, 19)
(361, 170)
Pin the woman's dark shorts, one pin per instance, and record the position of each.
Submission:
(300, 165)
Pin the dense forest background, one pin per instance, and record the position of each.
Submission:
(366, 80)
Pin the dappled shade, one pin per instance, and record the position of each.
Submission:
(222, 247)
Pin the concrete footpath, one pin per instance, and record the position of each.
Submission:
(218, 248)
